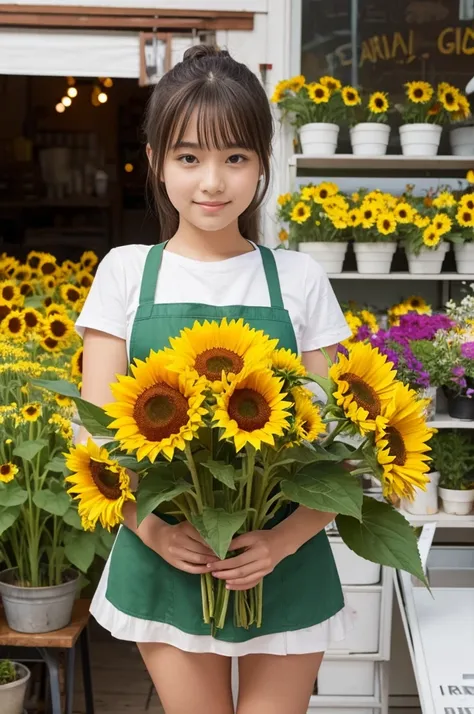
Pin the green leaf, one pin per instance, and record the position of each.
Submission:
(55, 503)
(225, 473)
(34, 301)
(218, 527)
(80, 549)
(326, 487)
(384, 536)
(58, 386)
(159, 485)
(303, 455)
(11, 494)
(107, 538)
(72, 518)
(130, 462)
(57, 465)
(30, 449)
(8, 517)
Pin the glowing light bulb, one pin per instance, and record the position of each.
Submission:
(102, 97)
(60, 108)
(72, 92)
(71, 81)
(67, 101)
(129, 168)
(108, 82)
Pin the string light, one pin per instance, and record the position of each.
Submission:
(108, 82)
(71, 81)
(128, 168)
(72, 92)
(67, 101)
(60, 108)
(102, 97)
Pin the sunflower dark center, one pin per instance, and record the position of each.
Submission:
(8, 293)
(48, 268)
(33, 262)
(323, 193)
(26, 289)
(79, 362)
(160, 411)
(106, 481)
(48, 301)
(5, 469)
(249, 409)
(58, 328)
(30, 319)
(415, 302)
(470, 204)
(449, 98)
(301, 211)
(211, 363)
(86, 281)
(418, 93)
(31, 411)
(14, 325)
(402, 213)
(319, 93)
(386, 224)
(363, 394)
(379, 103)
(52, 344)
(351, 95)
(4, 311)
(73, 294)
(396, 446)
(368, 215)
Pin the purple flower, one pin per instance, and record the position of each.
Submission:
(467, 350)
(364, 333)
(419, 327)
(469, 392)
(458, 371)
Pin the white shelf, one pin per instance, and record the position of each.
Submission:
(442, 519)
(444, 421)
(395, 162)
(401, 276)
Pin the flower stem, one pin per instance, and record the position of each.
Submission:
(194, 476)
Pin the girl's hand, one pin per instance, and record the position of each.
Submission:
(181, 546)
(263, 550)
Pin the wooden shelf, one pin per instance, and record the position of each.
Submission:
(392, 162)
(442, 519)
(401, 276)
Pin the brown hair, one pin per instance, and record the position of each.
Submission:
(232, 107)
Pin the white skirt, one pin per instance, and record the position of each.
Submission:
(317, 638)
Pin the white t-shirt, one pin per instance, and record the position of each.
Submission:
(307, 293)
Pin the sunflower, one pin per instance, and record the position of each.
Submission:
(76, 362)
(283, 199)
(415, 302)
(464, 108)
(156, 410)
(8, 472)
(386, 223)
(84, 278)
(419, 92)
(22, 273)
(350, 96)
(442, 223)
(33, 318)
(55, 308)
(212, 349)
(283, 235)
(449, 97)
(287, 364)
(431, 237)
(296, 83)
(14, 326)
(403, 212)
(465, 217)
(47, 265)
(58, 327)
(31, 412)
(331, 83)
(467, 201)
(49, 283)
(364, 383)
(445, 199)
(378, 103)
(99, 483)
(354, 217)
(401, 446)
(279, 91)
(300, 213)
(368, 215)
(327, 190)
(88, 260)
(68, 267)
(307, 193)
(26, 288)
(338, 220)
(318, 93)
(470, 176)
(70, 293)
(51, 345)
(9, 291)
(33, 259)
(253, 410)
(308, 422)
(421, 221)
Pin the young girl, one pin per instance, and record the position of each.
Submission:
(209, 131)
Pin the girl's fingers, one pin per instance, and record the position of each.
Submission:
(231, 563)
(246, 583)
(190, 556)
(236, 573)
(193, 569)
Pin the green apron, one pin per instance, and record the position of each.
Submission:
(304, 589)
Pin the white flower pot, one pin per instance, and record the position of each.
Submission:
(457, 503)
(428, 260)
(425, 503)
(464, 254)
(374, 257)
(420, 139)
(12, 695)
(369, 139)
(319, 138)
(462, 141)
(329, 255)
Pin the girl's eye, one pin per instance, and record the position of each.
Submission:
(187, 159)
(236, 159)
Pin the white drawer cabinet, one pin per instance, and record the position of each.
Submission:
(352, 569)
(347, 678)
(365, 604)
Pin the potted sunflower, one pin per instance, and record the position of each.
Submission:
(315, 110)
(369, 128)
(14, 678)
(374, 218)
(461, 135)
(316, 216)
(424, 112)
(462, 235)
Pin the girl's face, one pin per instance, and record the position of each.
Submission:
(210, 188)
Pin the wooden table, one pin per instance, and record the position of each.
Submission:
(49, 645)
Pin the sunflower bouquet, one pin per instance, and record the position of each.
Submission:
(374, 217)
(324, 101)
(427, 104)
(315, 213)
(222, 430)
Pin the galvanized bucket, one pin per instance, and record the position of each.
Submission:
(12, 695)
(36, 610)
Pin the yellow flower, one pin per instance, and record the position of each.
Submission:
(296, 83)
(354, 217)
(88, 260)
(309, 424)
(350, 96)
(156, 410)
(356, 197)
(431, 237)
(253, 410)
(100, 484)
(279, 91)
(467, 201)
(307, 193)
(403, 212)
(449, 98)
(58, 327)
(63, 401)
(444, 200)
(31, 412)
(421, 221)
(14, 326)
(318, 93)
(9, 291)
(401, 446)
(283, 199)
(33, 259)
(363, 384)
(386, 223)
(331, 83)
(47, 265)
(465, 217)
(326, 190)
(368, 215)
(470, 176)
(300, 213)
(8, 471)
(32, 317)
(338, 220)
(70, 293)
(354, 322)
(416, 302)
(26, 288)
(283, 235)
(84, 279)
(369, 319)
(50, 344)
(76, 362)
(378, 103)
(442, 223)
(419, 92)
(287, 365)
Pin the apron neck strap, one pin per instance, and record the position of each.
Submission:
(153, 265)
(271, 274)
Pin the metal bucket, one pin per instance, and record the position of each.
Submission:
(36, 610)
(12, 695)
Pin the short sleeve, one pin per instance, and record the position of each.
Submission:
(105, 306)
(325, 321)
